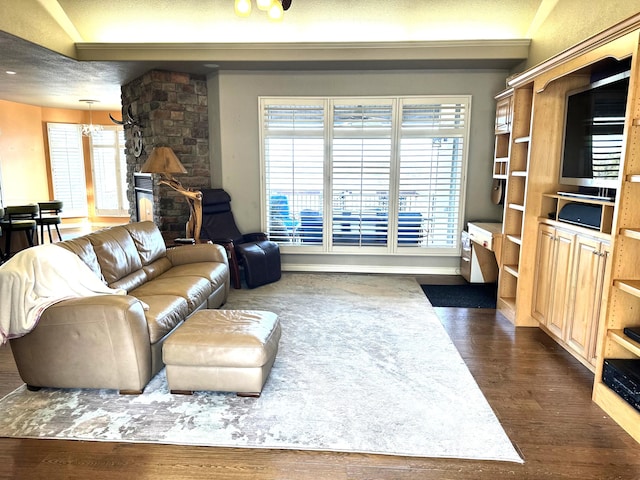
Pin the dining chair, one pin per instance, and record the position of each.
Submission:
(49, 214)
(19, 218)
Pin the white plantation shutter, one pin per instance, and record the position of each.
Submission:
(432, 137)
(109, 168)
(67, 168)
(360, 172)
(380, 174)
(293, 152)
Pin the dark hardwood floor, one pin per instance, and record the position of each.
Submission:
(540, 393)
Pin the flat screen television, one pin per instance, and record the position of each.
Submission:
(593, 133)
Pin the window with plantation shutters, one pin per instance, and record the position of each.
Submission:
(109, 168)
(67, 168)
(431, 155)
(360, 171)
(293, 150)
(377, 174)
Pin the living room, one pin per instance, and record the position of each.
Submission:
(234, 129)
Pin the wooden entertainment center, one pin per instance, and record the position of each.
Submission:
(579, 284)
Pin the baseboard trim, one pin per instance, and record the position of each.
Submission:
(402, 270)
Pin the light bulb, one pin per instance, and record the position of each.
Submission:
(276, 12)
(265, 4)
(243, 8)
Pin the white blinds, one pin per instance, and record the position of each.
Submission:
(109, 168)
(432, 137)
(293, 149)
(67, 168)
(365, 172)
(360, 172)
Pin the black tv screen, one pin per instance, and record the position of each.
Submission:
(594, 132)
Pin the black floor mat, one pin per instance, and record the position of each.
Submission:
(471, 295)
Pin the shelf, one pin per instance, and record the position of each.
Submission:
(522, 140)
(631, 233)
(633, 178)
(501, 160)
(632, 287)
(516, 206)
(517, 239)
(511, 269)
(580, 199)
(509, 302)
(519, 173)
(617, 408)
(500, 177)
(621, 339)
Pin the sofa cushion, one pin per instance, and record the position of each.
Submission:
(82, 247)
(164, 314)
(116, 252)
(148, 241)
(131, 281)
(214, 272)
(157, 268)
(194, 289)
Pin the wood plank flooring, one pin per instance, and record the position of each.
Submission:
(540, 393)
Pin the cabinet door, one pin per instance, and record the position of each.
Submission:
(584, 307)
(561, 268)
(503, 115)
(544, 270)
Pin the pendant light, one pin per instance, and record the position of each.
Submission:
(90, 129)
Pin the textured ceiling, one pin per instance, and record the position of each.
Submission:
(41, 39)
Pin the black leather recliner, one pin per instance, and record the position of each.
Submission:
(258, 257)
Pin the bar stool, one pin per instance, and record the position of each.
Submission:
(49, 215)
(19, 218)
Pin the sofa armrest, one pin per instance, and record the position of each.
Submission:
(100, 341)
(202, 252)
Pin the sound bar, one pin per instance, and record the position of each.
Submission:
(581, 214)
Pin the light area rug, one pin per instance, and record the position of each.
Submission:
(364, 366)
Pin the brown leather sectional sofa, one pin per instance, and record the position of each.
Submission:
(115, 341)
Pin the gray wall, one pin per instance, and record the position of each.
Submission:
(236, 160)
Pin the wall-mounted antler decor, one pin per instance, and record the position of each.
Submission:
(136, 132)
(129, 121)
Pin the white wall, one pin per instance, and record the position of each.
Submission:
(236, 161)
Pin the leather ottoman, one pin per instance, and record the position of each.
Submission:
(222, 350)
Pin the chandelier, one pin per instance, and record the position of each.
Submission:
(88, 130)
(275, 8)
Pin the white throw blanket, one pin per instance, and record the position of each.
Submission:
(38, 277)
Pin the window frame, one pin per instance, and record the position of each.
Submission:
(75, 203)
(392, 246)
(120, 171)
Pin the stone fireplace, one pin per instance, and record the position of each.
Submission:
(170, 109)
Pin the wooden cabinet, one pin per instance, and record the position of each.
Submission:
(584, 306)
(504, 113)
(512, 147)
(602, 273)
(504, 110)
(568, 288)
(554, 257)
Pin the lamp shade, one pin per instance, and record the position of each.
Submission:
(163, 160)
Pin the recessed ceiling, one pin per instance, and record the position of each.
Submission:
(66, 50)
